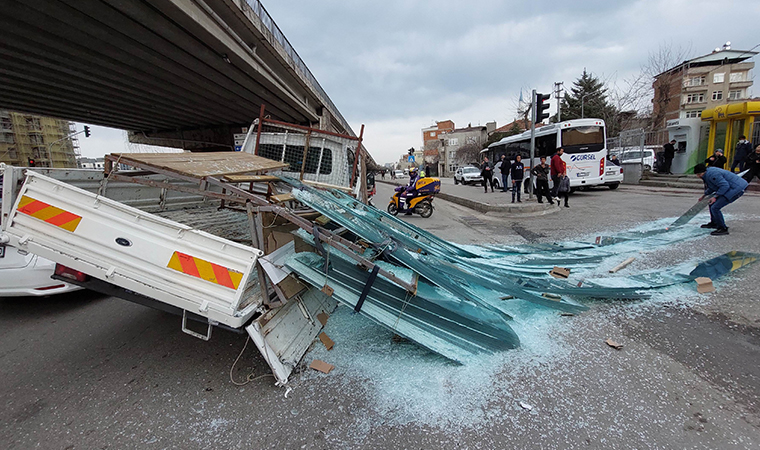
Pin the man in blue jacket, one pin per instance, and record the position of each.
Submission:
(727, 187)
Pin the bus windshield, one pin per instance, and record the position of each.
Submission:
(583, 139)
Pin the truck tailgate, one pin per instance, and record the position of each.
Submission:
(168, 261)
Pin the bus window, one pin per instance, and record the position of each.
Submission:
(583, 139)
(546, 145)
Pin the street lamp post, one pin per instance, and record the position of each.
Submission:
(582, 99)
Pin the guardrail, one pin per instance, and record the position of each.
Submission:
(277, 36)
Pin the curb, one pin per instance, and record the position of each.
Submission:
(532, 208)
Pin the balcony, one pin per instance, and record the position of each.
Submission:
(740, 84)
(695, 88)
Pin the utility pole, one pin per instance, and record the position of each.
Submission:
(532, 143)
(558, 88)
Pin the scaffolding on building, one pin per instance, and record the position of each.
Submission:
(25, 138)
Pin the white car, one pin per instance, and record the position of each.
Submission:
(399, 174)
(613, 175)
(467, 175)
(25, 274)
(634, 156)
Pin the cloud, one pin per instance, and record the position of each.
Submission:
(400, 65)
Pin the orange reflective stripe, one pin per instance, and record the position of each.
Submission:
(205, 270)
(48, 213)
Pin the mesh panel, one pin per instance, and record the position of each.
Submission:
(329, 158)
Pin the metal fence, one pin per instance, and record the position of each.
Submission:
(275, 36)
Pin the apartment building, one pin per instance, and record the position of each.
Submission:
(711, 80)
(25, 138)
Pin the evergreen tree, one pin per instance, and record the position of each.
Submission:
(589, 97)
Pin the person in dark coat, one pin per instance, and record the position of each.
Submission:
(669, 152)
(517, 171)
(486, 171)
(558, 169)
(716, 160)
(743, 149)
(614, 160)
(752, 164)
(504, 166)
(541, 172)
(727, 187)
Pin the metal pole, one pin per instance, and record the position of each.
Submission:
(641, 149)
(582, 99)
(50, 146)
(258, 131)
(532, 144)
(557, 93)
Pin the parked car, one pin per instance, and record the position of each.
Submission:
(22, 274)
(399, 174)
(632, 156)
(467, 175)
(613, 175)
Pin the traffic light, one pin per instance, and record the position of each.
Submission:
(87, 130)
(541, 106)
(31, 162)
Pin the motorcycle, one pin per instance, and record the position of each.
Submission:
(420, 203)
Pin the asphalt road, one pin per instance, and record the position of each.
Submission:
(87, 371)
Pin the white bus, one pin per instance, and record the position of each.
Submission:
(584, 141)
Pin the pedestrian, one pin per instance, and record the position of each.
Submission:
(726, 186)
(743, 150)
(517, 171)
(716, 160)
(541, 172)
(486, 171)
(393, 174)
(558, 167)
(563, 189)
(669, 151)
(614, 160)
(752, 165)
(506, 165)
(427, 170)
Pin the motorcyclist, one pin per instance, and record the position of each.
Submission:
(410, 191)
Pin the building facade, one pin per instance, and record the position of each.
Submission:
(26, 138)
(432, 133)
(706, 82)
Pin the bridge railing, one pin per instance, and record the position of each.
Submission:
(295, 61)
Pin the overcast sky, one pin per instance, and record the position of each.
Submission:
(399, 66)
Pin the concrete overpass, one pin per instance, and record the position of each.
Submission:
(182, 73)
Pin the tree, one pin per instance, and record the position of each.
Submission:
(496, 137)
(467, 154)
(589, 98)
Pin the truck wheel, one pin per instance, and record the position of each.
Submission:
(614, 186)
(424, 209)
(392, 210)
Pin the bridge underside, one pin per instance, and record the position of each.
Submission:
(188, 71)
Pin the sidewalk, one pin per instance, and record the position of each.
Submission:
(473, 197)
